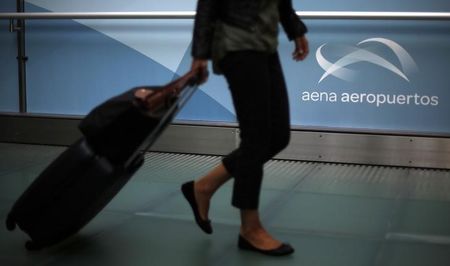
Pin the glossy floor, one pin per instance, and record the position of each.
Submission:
(333, 214)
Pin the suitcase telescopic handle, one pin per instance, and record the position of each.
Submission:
(157, 99)
(189, 79)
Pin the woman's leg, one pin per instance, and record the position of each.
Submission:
(206, 186)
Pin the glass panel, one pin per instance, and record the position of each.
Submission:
(378, 76)
(9, 91)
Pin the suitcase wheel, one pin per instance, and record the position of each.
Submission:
(10, 223)
(32, 246)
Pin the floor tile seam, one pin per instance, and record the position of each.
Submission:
(235, 223)
(186, 218)
(293, 232)
(393, 237)
(147, 206)
(226, 222)
(417, 238)
(271, 211)
(372, 197)
(397, 206)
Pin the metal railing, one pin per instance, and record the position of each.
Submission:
(191, 15)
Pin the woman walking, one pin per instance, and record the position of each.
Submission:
(240, 37)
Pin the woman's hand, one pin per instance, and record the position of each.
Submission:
(301, 48)
(200, 67)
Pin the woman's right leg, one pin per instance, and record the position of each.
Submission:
(206, 186)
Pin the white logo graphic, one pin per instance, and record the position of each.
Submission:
(355, 55)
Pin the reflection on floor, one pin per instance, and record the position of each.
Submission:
(333, 214)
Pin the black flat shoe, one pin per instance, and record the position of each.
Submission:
(282, 250)
(188, 192)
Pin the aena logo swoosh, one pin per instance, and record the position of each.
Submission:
(354, 55)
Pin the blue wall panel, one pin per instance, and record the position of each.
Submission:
(316, 103)
(9, 95)
(74, 65)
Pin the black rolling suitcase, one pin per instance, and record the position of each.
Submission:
(86, 176)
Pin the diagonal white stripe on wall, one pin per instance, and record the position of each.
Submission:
(165, 41)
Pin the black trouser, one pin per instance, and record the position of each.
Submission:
(260, 99)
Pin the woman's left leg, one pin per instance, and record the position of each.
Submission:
(252, 228)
